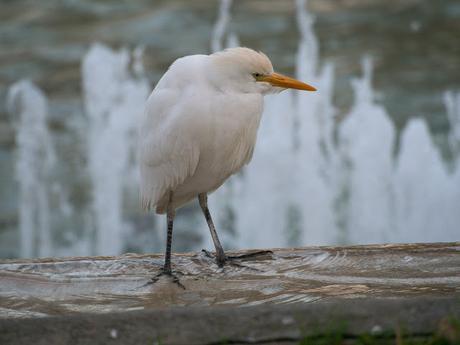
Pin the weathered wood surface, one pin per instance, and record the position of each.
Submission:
(288, 293)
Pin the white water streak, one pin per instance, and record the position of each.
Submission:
(35, 161)
(218, 33)
(114, 101)
(366, 139)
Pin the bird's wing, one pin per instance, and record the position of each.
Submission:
(169, 151)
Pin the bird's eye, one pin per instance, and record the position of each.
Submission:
(256, 75)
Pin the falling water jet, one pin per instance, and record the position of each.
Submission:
(428, 194)
(218, 33)
(366, 139)
(313, 165)
(308, 55)
(35, 161)
(114, 102)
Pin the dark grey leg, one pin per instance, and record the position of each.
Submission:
(170, 213)
(220, 254)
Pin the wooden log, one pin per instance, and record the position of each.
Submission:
(273, 296)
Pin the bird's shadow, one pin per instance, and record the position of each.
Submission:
(233, 260)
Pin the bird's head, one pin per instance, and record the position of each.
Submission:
(245, 70)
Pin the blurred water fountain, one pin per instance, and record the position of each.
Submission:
(114, 100)
(422, 189)
(315, 160)
(313, 179)
(366, 139)
(219, 39)
(36, 160)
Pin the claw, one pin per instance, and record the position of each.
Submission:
(220, 260)
(207, 253)
(156, 277)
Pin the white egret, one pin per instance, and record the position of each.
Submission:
(200, 127)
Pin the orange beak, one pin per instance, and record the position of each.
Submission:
(283, 81)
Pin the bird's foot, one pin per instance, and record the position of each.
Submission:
(165, 272)
(221, 260)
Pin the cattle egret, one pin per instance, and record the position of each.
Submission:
(200, 126)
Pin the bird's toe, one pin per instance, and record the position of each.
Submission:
(168, 273)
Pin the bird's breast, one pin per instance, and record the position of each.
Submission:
(232, 133)
(227, 140)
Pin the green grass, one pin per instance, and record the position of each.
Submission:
(448, 333)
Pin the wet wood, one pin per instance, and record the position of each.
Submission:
(303, 287)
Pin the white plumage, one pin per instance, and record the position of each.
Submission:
(200, 124)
